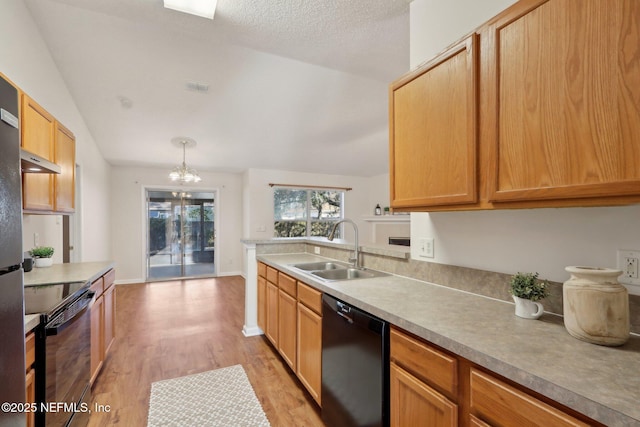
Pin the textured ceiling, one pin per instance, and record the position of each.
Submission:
(292, 84)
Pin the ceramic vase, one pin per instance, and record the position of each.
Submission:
(43, 262)
(528, 309)
(596, 306)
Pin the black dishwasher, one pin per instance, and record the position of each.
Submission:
(355, 366)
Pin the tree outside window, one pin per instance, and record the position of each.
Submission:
(306, 212)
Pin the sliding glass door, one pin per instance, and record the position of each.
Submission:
(180, 234)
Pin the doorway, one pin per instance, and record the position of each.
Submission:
(181, 234)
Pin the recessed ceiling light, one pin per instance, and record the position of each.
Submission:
(203, 8)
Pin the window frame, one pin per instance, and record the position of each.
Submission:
(308, 219)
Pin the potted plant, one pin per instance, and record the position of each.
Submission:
(42, 256)
(527, 290)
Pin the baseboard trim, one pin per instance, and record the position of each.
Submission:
(251, 331)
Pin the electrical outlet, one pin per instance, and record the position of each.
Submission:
(631, 268)
(628, 262)
(316, 250)
(425, 247)
(36, 239)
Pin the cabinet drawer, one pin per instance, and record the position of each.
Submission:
(109, 278)
(262, 269)
(30, 349)
(310, 297)
(272, 275)
(98, 286)
(287, 284)
(425, 362)
(503, 405)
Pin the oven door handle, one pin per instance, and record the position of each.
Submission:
(61, 322)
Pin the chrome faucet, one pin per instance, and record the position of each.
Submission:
(356, 256)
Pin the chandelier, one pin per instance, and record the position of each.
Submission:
(183, 173)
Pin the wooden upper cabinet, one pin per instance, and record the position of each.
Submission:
(38, 133)
(433, 131)
(46, 137)
(562, 112)
(65, 157)
(37, 129)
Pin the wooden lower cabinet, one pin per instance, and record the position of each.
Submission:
(413, 403)
(290, 315)
(287, 313)
(109, 297)
(500, 404)
(272, 313)
(423, 383)
(262, 303)
(310, 350)
(30, 395)
(475, 422)
(97, 337)
(432, 387)
(103, 318)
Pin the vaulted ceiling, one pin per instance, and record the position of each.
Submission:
(296, 85)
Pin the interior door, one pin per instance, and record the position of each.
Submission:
(180, 234)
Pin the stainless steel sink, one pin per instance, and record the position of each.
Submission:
(322, 265)
(348, 274)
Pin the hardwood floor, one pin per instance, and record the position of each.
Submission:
(170, 329)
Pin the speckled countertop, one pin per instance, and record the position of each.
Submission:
(600, 382)
(62, 273)
(67, 273)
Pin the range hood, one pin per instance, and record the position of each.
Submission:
(32, 163)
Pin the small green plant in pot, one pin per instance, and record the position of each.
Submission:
(527, 290)
(42, 256)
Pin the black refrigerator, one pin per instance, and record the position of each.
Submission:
(12, 355)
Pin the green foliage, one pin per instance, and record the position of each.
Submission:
(290, 228)
(527, 286)
(42, 252)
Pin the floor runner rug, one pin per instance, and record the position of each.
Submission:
(222, 397)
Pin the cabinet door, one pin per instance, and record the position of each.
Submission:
(65, 157)
(30, 385)
(109, 328)
(272, 313)
(287, 325)
(563, 100)
(37, 137)
(476, 422)
(414, 403)
(262, 303)
(31, 395)
(433, 131)
(97, 340)
(502, 405)
(310, 351)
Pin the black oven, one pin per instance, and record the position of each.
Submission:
(63, 355)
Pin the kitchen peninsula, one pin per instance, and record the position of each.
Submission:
(539, 356)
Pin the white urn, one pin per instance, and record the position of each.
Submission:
(596, 306)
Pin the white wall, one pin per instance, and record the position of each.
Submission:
(435, 24)
(508, 241)
(379, 191)
(128, 217)
(25, 60)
